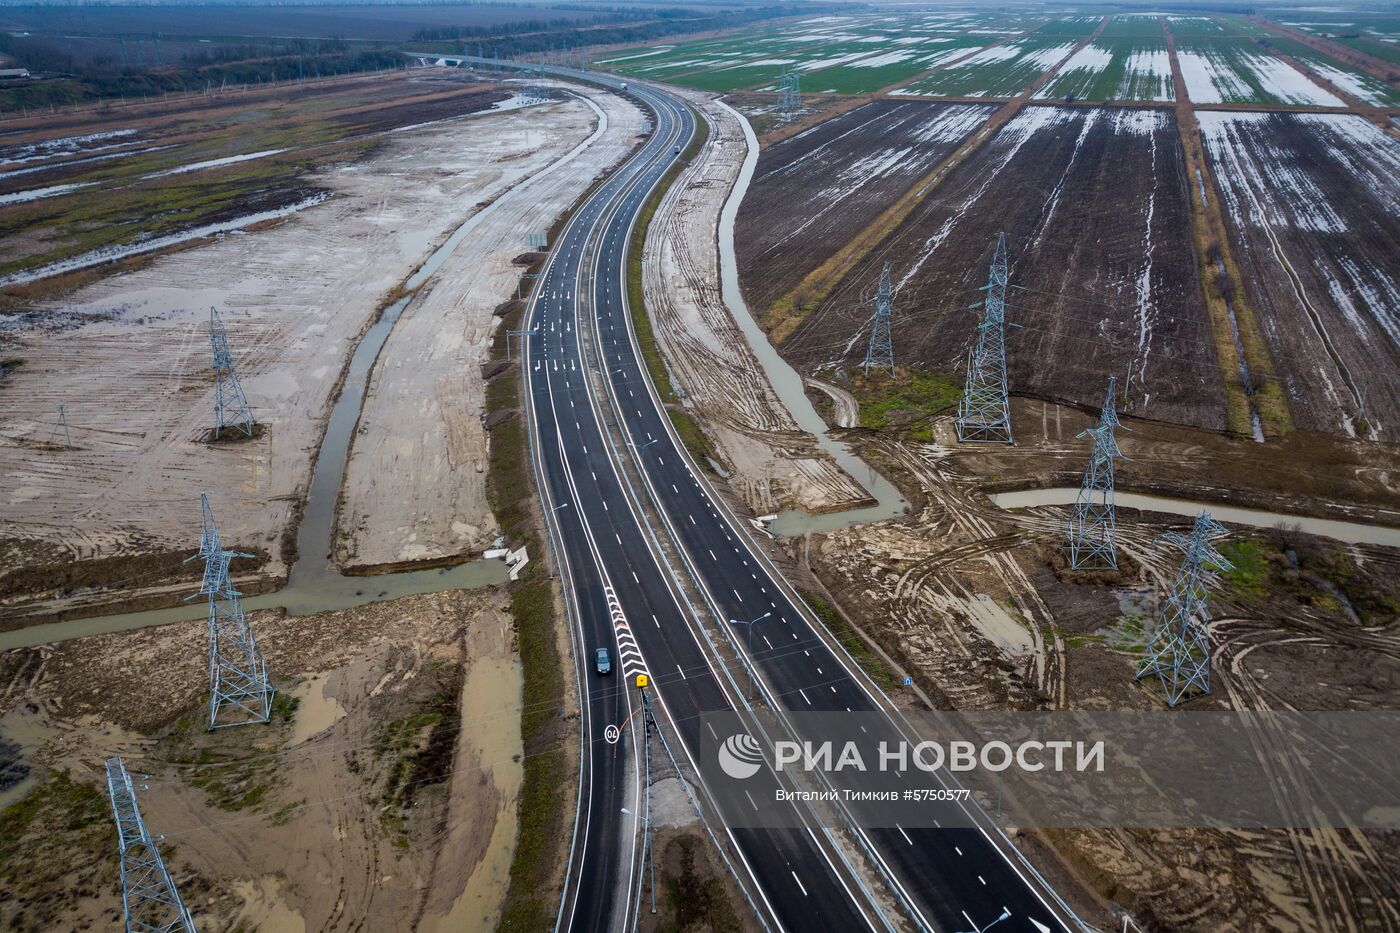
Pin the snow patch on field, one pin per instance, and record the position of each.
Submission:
(952, 124)
(1224, 134)
(1151, 67)
(1005, 145)
(1272, 178)
(817, 64)
(1357, 85)
(34, 194)
(99, 256)
(215, 163)
(1044, 58)
(67, 145)
(1218, 76)
(627, 58)
(1091, 59)
(991, 55)
(1210, 79)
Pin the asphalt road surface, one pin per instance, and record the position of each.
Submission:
(624, 599)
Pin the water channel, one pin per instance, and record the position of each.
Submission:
(788, 384)
(1350, 532)
(313, 584)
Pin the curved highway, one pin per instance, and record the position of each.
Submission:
(623, 597)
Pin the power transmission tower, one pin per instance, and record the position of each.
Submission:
(789, 95)
(239, 691)
(61, 425)
(230, 404)
(880, 353)
(1092, 526)
(984, 414)
(1179, 656)
(151, 902)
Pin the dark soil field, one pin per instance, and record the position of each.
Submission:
(1094, 205)
(1312, 203)
(812, 192)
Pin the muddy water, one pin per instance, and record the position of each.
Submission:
(1350, 532)
(316, 712)
(494, 685)
(313, 584)
(788, 384)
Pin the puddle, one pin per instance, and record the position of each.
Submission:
(491, 694)
(788, 384)
(264, 907)
(1350, 532)
(998, 625)
(316, 712)
(99, 256)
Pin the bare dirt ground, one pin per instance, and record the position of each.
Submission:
(415, 484)
(381, 796)
(128, 356)
(815, 190)
(776, 464)
(1313, 212)
(1094, 205)
(971, 600)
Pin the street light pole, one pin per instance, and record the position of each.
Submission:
(751, 623)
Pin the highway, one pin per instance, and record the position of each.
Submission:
(624, 596)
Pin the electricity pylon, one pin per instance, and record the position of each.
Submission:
(61, 425)
(789, 95)
(149, 898)
(880, 353)
(984, 414)
(239, 691)
(230, 404)
(1179, 656)
(1092, 526)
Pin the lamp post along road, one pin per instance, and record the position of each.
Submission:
(749, 661)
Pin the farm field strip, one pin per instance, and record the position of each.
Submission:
(1196, 27)
(1314, 207)
(839, 54)
(997, 71)
(842, 182)
(1114, 69)
(1366, 88)
(1239, 72)
(1134, 26)
(1374, 35)
(1075, 27)
(1111, 281)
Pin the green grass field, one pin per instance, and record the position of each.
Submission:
(1074, 26)
(1134, 26)
(1350, 79)
(1114, 69)
(843, 55)
(1002, 71)
(1196, 27)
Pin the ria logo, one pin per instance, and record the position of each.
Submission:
(740, 757)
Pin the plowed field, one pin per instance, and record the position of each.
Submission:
(1094, 205)
(813, 192)
(1313, 206)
